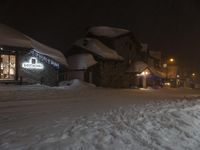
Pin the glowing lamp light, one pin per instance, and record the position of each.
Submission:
(145, 73)
(171, 59)
(178, 76)
(193, 74)
(33, 64)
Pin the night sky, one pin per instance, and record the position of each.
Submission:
(172, 26)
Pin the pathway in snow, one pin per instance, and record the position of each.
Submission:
(41, 117)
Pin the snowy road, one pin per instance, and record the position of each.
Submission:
(39, 117)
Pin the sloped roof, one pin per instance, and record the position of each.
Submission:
(48, 51)
(96, 47)
(106, 31)
(140, 66)
(137, 67)
(12, 37)
(81, 61)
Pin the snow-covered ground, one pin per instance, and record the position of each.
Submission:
(78, 116)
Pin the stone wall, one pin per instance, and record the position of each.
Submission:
(112, 74)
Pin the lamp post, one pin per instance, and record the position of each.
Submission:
(170, 61)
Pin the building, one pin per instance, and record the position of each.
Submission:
(24, 60)
(107, 57)
(92, 61)
(111, 50)
(146, 69)
(125, 44)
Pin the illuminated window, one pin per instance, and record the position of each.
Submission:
(8, 67)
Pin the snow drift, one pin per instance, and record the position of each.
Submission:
(75, 84)
(163, 126)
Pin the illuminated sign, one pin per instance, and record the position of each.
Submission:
(44, 59)
(32, 64)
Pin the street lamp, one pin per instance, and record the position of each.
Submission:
(169, 63)
(171, 60)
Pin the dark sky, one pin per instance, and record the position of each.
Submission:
(167, 25)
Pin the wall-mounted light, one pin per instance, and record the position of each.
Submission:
(193, 74)
(145, 73)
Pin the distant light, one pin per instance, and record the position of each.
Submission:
(1, 48)
(164, 65)
(167, 83)
(171, 59)
(178, 76)
(193, 74)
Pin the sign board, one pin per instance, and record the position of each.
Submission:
(33, 64)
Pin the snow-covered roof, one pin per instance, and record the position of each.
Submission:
(98, 48)
(12, 37)
(48, 51)
(140, 66)
(157, 73)
(106, 31)
(137, 67)
(81, 61)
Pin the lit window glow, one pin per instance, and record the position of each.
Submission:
(167, 83)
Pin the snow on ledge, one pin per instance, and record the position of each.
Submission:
(81, 61)
(98, 48)
(75, 84)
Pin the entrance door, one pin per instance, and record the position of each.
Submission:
(7, 67)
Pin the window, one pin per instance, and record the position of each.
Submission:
(7, 67)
